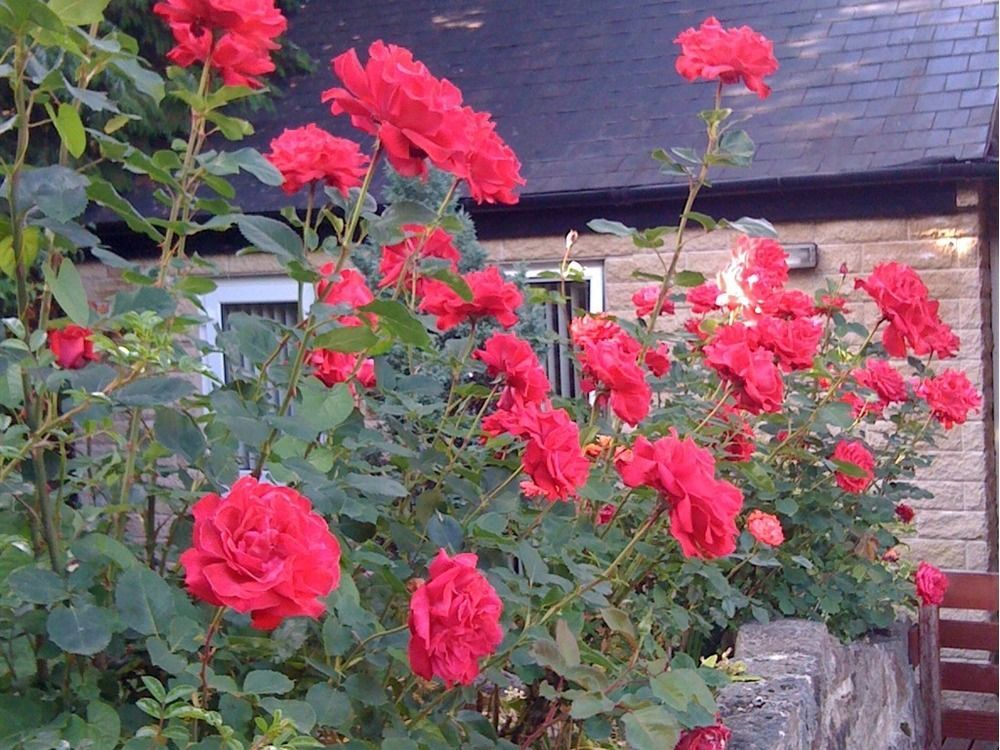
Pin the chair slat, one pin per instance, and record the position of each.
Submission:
(973, 725)
(972, 591)
(981, 636)
(970, 678)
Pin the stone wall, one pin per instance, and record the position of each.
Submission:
(951, 255)
(818, 694)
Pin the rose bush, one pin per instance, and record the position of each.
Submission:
(401, 560)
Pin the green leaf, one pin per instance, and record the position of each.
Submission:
(350, 339)
(266, 682)
(396, 320)
(751, 227)
(79, 629)
(70, 128)
(618, 620)
(144, 600)
(837, 414)
(706, 221)
(37, 585)
(651, 728)
(79, 12)
(786, 506)
(456, 282)
(31, 239)
(445, 531)
(300, 713)
(67, 288)
(375, 485)
(58, 192)
(566, 642)
(101, 547)
(154, 391)
(689, 278)
(325, 408)
(586, 705)
(606, 226)
(332, 707)
(735, 149)
(848, 469)
(104, 194)
(678, 688)
(147, 81)
(178, 432)
(271, 236)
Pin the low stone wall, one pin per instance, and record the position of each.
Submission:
(819, 694)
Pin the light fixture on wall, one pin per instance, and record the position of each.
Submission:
(802, 255)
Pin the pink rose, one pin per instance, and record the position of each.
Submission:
(310, 154)
(454, 620)
(765, 528)
(712, 52)
(950, 396)
(854, 452)
(72, 346)
(261, 550)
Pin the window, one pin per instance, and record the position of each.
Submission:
(586, 295)
(272, 297)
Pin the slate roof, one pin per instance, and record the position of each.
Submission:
(583, 90)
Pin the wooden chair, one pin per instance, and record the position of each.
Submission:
(954, 729)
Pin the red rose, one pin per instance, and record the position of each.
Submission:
(590, 329)
(485, 161)
(765, 528)
(931, 584)
(310, 154)
(704, 298)
(507, 355)
(611, 368)
(705, 738)
(788, 304)
(703, 509)
(793, 342)
(454, 620)
(491, 297)
(261, 550)
(332, 367)
(398, 260)
(734, 354)
(905, 513)
(396, 99)
(606, 514)
(553, 458)
(72, 346)
(657, 360)
(347, 289)
(712, 52)
(738, 442)
(950, 397)
(832, 303)
(881, 377)
(645, 301)
(238, 34)
(757, 270)
(913, 317)
(854, 452)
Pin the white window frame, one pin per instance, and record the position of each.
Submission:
(244, 290)
(593, 271)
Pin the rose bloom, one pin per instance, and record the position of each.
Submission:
(310, 154)
(905, 513)
(931, 584)
(881, 377)
(832, 303)
(739, 442)
(261, 550)
(793, 342)
(788, 304)
(913, 317)
(398, 260)
(488, 165)
(553, 459)
(950, 396)
(705, 738)
(703, 509)
(396, 99)
(238, 34)
(854, 452)
(734, 354)
(606, 514)
(657, 360)
(765, 528)
(704, 298)
(72, 346)
(712, 53)
(492, 296)
(757, 269)
(601, 445)
(454, 620)
(504, 354)
(645, 301)
(590, 329)
(611, 368)
(347, 288)
(332, 367)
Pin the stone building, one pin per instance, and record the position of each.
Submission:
(879, 142)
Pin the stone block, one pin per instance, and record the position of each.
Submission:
(945, 553)
(934, 227)
(870, 230)
(943, 524)
(920, 254)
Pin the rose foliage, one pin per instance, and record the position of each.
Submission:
(333, 546)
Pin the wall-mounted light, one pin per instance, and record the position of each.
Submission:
(802, 255)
